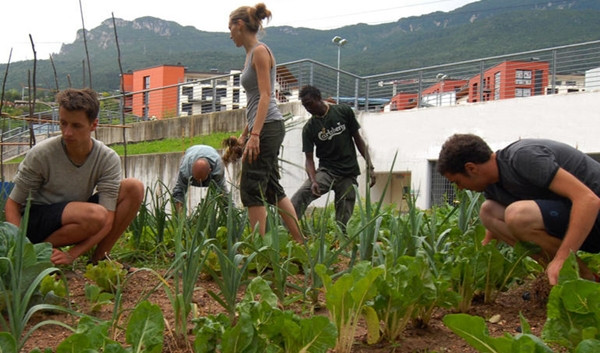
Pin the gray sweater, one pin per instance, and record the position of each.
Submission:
(51, 177)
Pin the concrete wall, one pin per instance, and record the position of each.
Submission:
(415, 136)
(232, 120)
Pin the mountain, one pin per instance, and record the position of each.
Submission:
(480, 29)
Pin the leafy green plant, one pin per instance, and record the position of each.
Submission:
(474, 330)
(573, 316)
(262, 326)
(144, 333)
(233, 264)
(53, 283)
(398, 293)
(107, 274)
(97, 297)
(503, 268)
(346, 300)
(23, 266)
(277, 250)
(322, 246)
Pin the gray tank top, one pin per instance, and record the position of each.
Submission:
(250, 83)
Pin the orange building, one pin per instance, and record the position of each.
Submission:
(403, 101)
(510, 79)
(153, 102)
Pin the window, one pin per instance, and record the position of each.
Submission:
(188, 91)
(522, 92)
(523, 77)
(442, 191)
(497, 82)
(186, 108)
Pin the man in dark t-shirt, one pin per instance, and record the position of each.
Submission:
(536, 190)
(334, 132)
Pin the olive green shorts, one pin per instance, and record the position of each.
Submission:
(260, 179)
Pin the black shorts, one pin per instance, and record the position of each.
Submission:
(46, 219)
(260, 179)
(556, 215)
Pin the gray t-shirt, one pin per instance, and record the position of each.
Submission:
(184, 176)
(249, 81)
(527, 167)
(51, 177)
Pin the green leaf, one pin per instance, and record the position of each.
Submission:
(588, 346)
(473, 330)
(236, 339)
(318, 335)
(8, 344)
(145, 328)
(372, 322)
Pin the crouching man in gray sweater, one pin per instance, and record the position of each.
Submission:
(74, 181)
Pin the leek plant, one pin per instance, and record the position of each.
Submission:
(192, 240)
(232, 263)
(23, 266)
(277, 249)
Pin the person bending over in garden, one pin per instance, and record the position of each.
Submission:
(334, 131)
(265, 129)
(536, 190)
(200, 166)
(75, 187)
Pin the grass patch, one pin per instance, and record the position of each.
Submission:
(162, 146)
(173, 145)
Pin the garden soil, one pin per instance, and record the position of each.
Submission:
(501, 317)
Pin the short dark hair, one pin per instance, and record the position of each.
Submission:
(460, 149)
(80, 99)
(310, 91)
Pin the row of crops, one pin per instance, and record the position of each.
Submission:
(388, 269)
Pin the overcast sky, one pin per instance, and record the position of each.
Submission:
(51, 23)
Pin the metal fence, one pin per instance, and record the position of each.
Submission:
(557, 70)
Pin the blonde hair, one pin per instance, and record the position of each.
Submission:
(234, 149)
(252, 16)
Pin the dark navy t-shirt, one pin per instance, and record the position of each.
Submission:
(527, 167)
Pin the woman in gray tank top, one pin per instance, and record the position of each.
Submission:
(265, 130)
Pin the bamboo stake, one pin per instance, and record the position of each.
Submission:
(3, 119)
(122, 96)
(32, 99)
(87, 54)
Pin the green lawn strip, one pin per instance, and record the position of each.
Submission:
(173, 145)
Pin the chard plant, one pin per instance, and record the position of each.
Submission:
(346, 300)
(573, 316)
(399, 290)
(474, 330)
(320, 248)
(144, 333)
(262, 326)
(23, 266)
(502, 268)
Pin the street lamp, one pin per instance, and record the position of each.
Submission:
(441, 78)
(340, 42)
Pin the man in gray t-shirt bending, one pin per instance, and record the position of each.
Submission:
(536, 190)
(74, 182)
